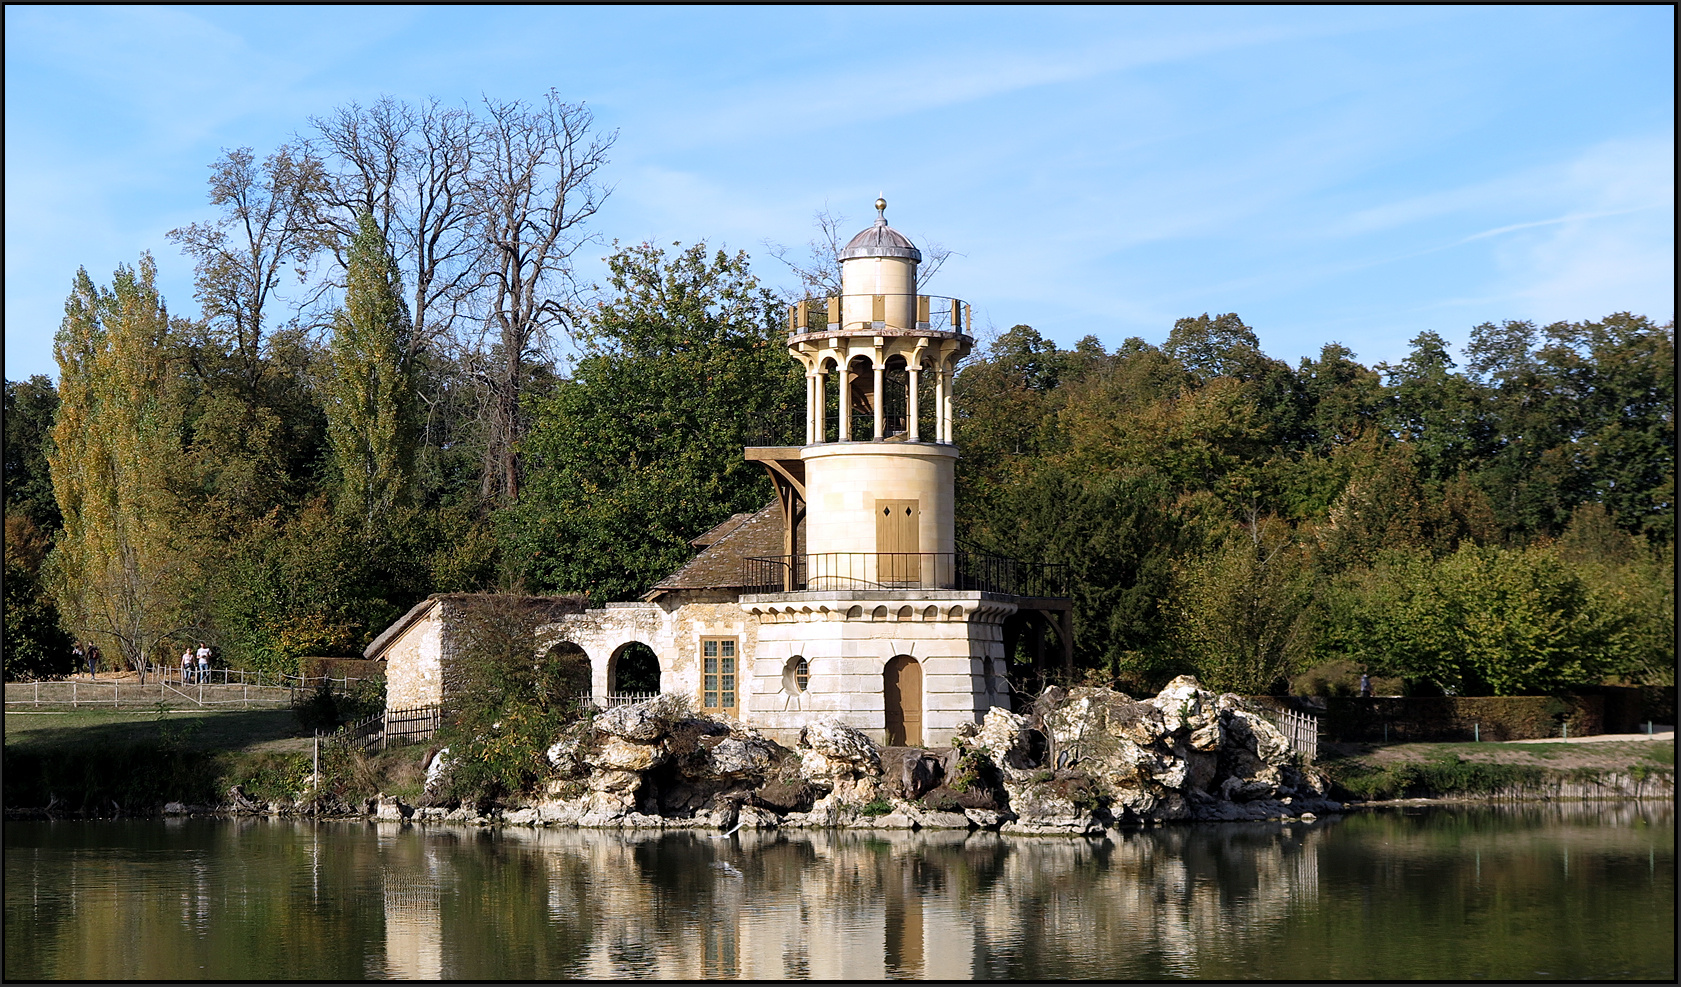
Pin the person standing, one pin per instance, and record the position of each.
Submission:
(1365, 686)
(93, 661)
(186, 666)
(76, 655)
(203, 662)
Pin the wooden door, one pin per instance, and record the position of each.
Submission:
(902, 691)
(898, 542)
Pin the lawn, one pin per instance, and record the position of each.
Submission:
(230, 730)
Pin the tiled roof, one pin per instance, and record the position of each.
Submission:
(553, 606)
(721, 564)
(718, 533)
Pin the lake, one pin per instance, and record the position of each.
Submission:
(1565, 891)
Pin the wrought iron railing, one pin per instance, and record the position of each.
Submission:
(904, 570)
(862, 313)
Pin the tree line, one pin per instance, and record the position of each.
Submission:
(371, 404)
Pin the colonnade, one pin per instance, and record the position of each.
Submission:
(917, 362)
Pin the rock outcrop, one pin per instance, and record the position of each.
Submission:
(1184, 753)
(1075, 762)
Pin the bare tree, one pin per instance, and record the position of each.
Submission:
(534, 187)
(410, 168)
(819, 271)
(243, 257)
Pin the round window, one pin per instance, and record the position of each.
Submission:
(796, 676)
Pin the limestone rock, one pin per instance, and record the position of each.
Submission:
(241, 802)
(899, 818)
(563, 756)
(735, 758)
(388, 808)
(752, 817)
(933, 819)
(174, 809)
(1255, 733)
(985, 818)
(643, 722)
(523, 817)
(618, 754)
(615, 781)
(436, 769)
(837, 742)
(1181, 704)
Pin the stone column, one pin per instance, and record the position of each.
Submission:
(913, 407)
(942, 426)
(813, 406)
(844, 376)
(881, 405)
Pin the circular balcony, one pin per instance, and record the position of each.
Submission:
(879, 315)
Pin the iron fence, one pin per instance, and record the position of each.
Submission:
(904, 570)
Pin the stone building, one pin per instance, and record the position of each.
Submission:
(421, 650)
(847, 596)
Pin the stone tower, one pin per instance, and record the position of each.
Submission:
(872, 613)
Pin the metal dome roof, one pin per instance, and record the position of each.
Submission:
(881, 240)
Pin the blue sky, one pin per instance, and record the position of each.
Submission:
(1350, 174)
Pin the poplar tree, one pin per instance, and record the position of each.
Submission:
(371, 393)
(118, 463)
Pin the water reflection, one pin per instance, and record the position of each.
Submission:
(1559, 890)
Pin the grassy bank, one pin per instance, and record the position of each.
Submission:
(102, 762)
(1371, 772)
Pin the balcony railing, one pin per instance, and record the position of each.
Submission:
(864, 313)
(904, 570)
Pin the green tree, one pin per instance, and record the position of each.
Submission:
(371, 390)
(1437, 411)
(30, 407)
(121, 570)
(1242, 610)
(641, 449)
(35, 645)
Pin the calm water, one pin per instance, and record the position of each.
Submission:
(1567, 891)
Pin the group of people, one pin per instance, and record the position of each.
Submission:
(200, 673)
(88, 652)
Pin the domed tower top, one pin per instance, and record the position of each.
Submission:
(878, 335)
(881, 240)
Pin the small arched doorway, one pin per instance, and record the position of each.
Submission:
(902, 692)
(634, 670)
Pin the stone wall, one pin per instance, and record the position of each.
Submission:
(956, 637)
(674, 636)
(848, 639)
(414, 666)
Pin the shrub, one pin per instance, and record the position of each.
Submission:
(511, 704)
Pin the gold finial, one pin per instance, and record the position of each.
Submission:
(881, 205)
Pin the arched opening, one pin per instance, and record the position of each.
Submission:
(565, 669)
(902, 695)
(859, 386)
(895, 398)
(634, 670)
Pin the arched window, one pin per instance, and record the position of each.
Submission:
(566, 671)
(796, 676)
(633, 670)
